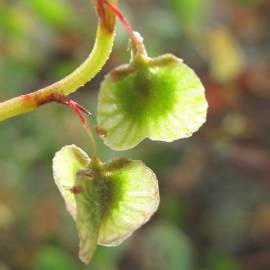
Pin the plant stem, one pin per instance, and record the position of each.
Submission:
(79, 77)
(78, 109)
(136, 39)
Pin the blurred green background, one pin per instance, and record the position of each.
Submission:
(215, 204)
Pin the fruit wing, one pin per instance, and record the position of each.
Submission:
(135, 198)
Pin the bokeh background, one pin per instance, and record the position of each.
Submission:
(215, 187)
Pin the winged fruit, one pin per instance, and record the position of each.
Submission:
(108, 201)
(158, 98)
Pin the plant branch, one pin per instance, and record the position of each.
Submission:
(79, 77)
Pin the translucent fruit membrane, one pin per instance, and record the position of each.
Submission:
(159, 98)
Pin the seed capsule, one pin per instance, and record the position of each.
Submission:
(159, 98)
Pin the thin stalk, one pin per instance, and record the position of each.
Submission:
(137, 41)
(78, 109)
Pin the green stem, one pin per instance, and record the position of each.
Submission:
(79, 77)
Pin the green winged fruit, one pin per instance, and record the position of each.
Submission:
(158, 98)
(108, 201)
